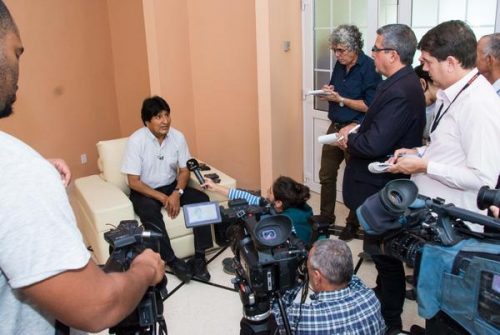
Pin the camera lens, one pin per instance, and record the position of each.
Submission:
(395, 197)
(487, 197)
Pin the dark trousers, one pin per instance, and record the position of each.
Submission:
(149, 211)
(331, 158)
(391, 286)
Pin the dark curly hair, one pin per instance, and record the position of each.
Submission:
(349, 36)
(290, 193)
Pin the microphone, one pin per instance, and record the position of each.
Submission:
(193, 166)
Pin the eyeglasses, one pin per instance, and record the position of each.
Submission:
(376, 49)
(338, 50)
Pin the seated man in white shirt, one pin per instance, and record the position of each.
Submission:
(463, 153)
(155, 164)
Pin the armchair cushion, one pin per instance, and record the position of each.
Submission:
(110, 162)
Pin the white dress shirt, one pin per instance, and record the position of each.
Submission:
(464, 153)
(155, 164)
(496, 86)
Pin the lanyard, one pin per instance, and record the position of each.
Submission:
(439, 116)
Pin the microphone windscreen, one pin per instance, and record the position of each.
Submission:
(192, 164)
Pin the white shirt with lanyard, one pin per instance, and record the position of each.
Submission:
(465, 143)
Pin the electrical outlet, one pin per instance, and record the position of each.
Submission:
(83, 158)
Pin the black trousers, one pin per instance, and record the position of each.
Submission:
(391, 286)
(149, 211)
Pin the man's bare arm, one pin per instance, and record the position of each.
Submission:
(91, 300)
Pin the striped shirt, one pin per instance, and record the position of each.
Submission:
(253, 200)
(352, 310)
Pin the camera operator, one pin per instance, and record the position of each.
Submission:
(465, 134)
(45, 270)
(340, 304)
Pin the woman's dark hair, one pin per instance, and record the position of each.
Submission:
(421, 73)
(290, 193)
(152, 107)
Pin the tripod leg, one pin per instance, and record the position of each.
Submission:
(358, 264)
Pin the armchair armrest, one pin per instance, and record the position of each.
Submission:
(98, 206)
(104, 202)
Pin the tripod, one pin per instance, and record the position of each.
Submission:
(264, 323)
(147, 318)
(257, 317)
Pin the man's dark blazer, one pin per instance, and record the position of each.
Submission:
(394, 120)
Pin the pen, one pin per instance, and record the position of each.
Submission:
(403, 155)
(354, 129)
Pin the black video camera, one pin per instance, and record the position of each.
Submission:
(457, 271)
(267, 252)
(487, 197)
(268, 259)
(126, 242)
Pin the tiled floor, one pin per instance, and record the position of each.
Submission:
(199, 308)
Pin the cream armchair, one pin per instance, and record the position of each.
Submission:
(101, 201)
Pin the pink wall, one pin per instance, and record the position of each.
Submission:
(279, 86)
(130, 61)
(233, 92)
(174, 67)
(223, 65)
(66, 98)
(286, 88)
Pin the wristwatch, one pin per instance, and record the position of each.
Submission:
(341, 102)
(180, 190)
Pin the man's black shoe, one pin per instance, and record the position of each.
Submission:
(417, 330)
(411, 294)
(199, 268)
(181, 270)
(366, 256)
(348, 233)
(395, 331)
